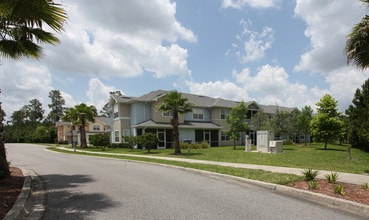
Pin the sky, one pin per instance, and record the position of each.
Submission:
(277, 52)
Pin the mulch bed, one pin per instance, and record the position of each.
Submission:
(10, 188)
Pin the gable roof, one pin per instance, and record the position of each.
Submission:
(198, 101)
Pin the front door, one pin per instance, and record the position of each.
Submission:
(161, 138)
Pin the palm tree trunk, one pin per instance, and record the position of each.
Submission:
(83, 137)
(177, 149)
(325, 144)
(4, 166)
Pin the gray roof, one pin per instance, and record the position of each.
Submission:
(198, 101)
(187, 124)
(103, 120)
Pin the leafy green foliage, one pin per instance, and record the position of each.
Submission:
(339, 189)
(175, 104)
(202, 145)
(100, 140)
(304, 119)
(79, 116)
(357, 112)
(310, 174)
(237, 122)
(326, 125)
(365, 186)
(130, 141)
(332, 178)
(22, 27)
(313, 184)
(148, 141)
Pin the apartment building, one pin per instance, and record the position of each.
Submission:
(207, 121)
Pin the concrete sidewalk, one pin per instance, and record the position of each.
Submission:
(343, 177)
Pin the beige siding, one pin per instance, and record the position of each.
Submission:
(157, 116)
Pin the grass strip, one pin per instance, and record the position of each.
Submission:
(260, 175)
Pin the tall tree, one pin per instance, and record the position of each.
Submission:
(4, 166)
(358, 113)
(175, 104)
(34, 111)
(56, 106)
(237, 122)
(79, 116)
(326, 125)
(357, 44)
(303, 121)
(21, 26)
(260, 121)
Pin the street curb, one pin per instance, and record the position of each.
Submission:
(30, 202)
(18, 208)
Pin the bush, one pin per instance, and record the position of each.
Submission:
(313, 184)
(332, 178)
(365, 186)
(287, 142)
(100, 140)
(339, 189)
(118, 145)
(147, 141)
(310, 174)
(202, 145)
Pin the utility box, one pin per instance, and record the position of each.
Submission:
(247, 143)
(262, 139)
(275, 146)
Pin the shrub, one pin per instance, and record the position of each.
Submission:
(287, 142)
(310, 174)
(148, 140)
(100, 140)
(313, 184)
(202, 145)
(339, 189)
(365, 186)
(332, 178)
(118, 145)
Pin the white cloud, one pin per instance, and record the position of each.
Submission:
(98, 93)
(122, 39)
(343, 84)
(21, 82)
(219, 89)
(328, 23)
(252, 45)
(270, 86)
(252, 3)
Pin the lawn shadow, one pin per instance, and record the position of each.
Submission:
(65, 201)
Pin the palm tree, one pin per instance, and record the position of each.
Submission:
(21, 26)
(357, 44)
(79, 116)
(175, 104)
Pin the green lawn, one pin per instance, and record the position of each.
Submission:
(313, 156)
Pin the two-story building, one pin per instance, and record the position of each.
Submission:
(207, 121)
(65, 129)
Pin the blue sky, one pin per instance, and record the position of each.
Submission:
(288, 52)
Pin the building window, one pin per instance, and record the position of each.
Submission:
(96, 127)
(197, 114)
(116, 136)
(116, 110)
(224, 113)
(224, 136)
(167, 114)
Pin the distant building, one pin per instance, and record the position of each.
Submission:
(64, 129)
(207, 122)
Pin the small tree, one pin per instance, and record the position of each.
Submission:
(304, 119)
(237, 122)
(326, 125)
(130, 141)
(147, 141)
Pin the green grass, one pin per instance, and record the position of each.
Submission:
(260, 175)
(313, 156)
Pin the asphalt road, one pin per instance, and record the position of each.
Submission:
(81, 187)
